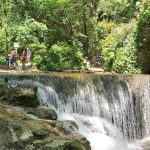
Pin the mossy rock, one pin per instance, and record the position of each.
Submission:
(67, 126)
(20, 95)
(65, 145)
(43, 113)
(19, 131)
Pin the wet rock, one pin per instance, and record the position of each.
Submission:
(66, 145)
(5, 135)
(20, 95)
(26, 135)
(67, 127)
(145, 144)
(40, 134)
(18, 132)
(43, 113)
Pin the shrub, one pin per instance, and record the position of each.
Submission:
(111, 43)
(3, 60)
(59, 57)
(126, 58)
(119, 50)
(143, 39)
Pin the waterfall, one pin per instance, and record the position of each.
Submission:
(112, 112)
(105, 108)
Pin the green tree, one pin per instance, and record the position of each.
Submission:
(6, 13)
(143, 38)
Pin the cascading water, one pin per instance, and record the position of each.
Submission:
(103, 107)
(111, 111)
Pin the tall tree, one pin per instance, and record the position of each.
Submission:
(6, 12)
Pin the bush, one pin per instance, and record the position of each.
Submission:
(111, 43)
(126, 58)
(37, 60)
(3, 60)
(65, 56)
(100, 32)
(119, 50)
(143, 39)
(59, 57)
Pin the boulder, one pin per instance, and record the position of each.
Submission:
(20, 95)
(19, 131)
(43, 113)
(67, 126)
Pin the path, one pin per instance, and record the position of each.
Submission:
(17, 69)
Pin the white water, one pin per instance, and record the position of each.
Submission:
(105, 115)
(102, 133)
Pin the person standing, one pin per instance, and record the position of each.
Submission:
(28, 55)
(9, 59)
(94, 59)
(15, 58)
(22, 58)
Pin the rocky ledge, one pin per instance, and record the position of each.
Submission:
(26, 126)
(21, 95)
(20, 131)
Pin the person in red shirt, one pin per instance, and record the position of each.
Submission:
(22, 58)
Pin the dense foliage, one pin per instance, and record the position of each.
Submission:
(61, 33)
(143, 37)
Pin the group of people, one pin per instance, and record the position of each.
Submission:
(14, 57)
(97, 61)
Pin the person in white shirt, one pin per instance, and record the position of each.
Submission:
(28, 55)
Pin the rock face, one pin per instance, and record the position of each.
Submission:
(26, 126)
(42, 113)
(67, 127)
(21, 95)
(17, 131)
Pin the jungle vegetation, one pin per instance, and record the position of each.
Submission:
(61, 33)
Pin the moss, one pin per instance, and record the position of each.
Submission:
(21, 132)
(75, 145)
(66, 145)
